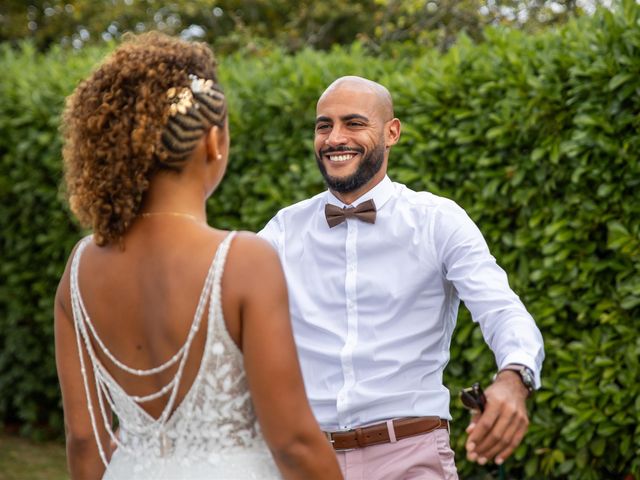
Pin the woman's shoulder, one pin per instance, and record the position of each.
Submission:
(252, 257)
(252, 244)
(252, 247)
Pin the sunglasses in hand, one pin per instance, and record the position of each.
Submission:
(473, 398)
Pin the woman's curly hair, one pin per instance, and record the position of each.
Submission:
(120, 126)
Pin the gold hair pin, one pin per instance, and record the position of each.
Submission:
(182, 98)
(200, 85)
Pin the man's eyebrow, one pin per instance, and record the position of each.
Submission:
(354, 116)
(344, 118)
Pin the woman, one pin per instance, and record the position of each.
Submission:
(171, 328)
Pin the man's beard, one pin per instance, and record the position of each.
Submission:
(367, 168)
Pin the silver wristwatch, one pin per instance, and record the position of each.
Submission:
(526, 375)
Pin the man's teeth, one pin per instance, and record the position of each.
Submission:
(340, 158)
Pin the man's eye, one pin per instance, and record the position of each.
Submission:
(322, 127)
(356, 124)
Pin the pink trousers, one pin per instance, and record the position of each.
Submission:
(424, 457)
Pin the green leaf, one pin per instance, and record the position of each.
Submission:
(597, 446)
(619, 79)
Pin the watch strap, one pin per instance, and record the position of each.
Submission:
(525, 373)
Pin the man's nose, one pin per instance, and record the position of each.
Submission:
(336, 137)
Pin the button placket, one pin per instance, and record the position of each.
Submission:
(352, 322)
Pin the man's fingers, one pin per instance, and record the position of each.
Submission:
(469, 445)
(499, 438)
(490, 443)
(499, 435)
(475, 416)
(502, 438)
(477, 431)
(483, 424)
(516, 438)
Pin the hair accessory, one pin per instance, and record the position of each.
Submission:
(181, 100)
(200, 85)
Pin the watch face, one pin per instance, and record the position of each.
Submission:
(527, 377)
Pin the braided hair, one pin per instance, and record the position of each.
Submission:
(193, 110)
(143, 110)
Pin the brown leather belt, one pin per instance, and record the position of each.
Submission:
(378, 433)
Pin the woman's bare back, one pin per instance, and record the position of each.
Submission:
(142, 300)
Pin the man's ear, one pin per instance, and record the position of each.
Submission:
(394, 128)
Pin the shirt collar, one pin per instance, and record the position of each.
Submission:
(380, 194)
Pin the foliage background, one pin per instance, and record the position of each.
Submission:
(291, 24)
(535, 135)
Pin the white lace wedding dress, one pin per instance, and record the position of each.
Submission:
(211, 434)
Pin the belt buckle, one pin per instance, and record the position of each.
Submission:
(329, 436)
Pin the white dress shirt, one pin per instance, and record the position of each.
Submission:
(374, 306)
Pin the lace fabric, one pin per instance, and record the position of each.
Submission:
(212, 433)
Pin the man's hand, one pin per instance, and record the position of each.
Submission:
(497, 432)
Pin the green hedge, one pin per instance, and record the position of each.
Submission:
(536, 136)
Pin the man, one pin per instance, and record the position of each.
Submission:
(375, 274)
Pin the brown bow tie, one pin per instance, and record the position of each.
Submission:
(366, 212)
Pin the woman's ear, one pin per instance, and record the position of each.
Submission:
(217, 153)
(218, 143)
(213, 144)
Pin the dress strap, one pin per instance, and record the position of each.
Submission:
(221, 258)
(76, 257)
(215, 303)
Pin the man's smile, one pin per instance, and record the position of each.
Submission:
(340, 157)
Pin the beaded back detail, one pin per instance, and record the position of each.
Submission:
(215, 415)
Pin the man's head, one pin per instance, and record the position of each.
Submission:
(355, 128)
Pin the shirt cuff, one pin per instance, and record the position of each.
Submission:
(523, 359)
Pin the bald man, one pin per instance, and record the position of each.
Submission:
(376, 273)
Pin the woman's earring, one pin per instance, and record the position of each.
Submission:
(219, 157)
